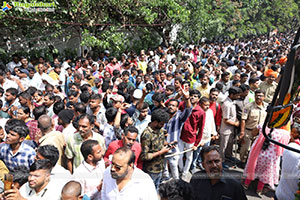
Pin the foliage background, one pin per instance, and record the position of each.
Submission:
(123, 25)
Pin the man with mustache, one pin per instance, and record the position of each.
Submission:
(39, 185)
(213, 183)
(122, 180)
(215, 107)
(74, 141)
(90, 171)
(128, 140)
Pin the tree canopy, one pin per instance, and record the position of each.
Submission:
(121, 25)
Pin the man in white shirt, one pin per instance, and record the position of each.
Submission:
(122, 180)
(59, 175)
(39, 185)
(90, 172)
(65, 118)
(14, 63)
(40, 78)
(141, 118)
(209, 132)
(5, 83)
(290, 170)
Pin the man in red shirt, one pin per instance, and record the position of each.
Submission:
(215, 107)
(114, 65)
(129, 140)
(192, 130)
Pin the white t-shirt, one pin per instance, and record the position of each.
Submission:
(140, 187)
(52, 191)
(290, 174)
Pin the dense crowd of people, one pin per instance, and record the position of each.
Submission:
(138, 126)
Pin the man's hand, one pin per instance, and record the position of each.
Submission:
(99, 187)
(237, 123)
(186, 94)
(13, 194)
(241, 135)
(124, 106)
(195, 148)
(162, 104)
(215, 137)
(164, 150)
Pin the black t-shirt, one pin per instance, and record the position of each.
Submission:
(227, 188)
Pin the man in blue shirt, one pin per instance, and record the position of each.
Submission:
(15, 152)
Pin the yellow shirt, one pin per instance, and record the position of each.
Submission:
(54, 75)
(204, 91)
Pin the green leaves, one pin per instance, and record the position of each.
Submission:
(121, 25)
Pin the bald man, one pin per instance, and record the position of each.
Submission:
(49, 136)
(71, 191)
(122, 180)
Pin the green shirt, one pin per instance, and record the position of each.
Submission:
(74, 142)
(152, 141)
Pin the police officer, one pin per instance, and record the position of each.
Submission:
(253, 114)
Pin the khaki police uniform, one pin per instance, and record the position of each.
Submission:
(253, 115)
(269, 90)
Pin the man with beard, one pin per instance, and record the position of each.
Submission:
(254, 114)
(213, 183)
(215, 107)
(269, 86)
(11, 103)
(123, 181)
(90, 172)
(95, 109)
(39, 185)
(154, 145)
(191, 133)
(225, 82)
(74, 141)
(141, 117)
(114, 65)
(204, 88)
(129, 140)
(173, 128)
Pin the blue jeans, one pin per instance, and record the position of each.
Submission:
(156, 177)
(197, 157)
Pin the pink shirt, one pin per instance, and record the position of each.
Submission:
(110, 68)
(114, 145)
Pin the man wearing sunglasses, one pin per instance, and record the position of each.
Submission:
(122, 180)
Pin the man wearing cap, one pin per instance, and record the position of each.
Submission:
(269, 86)
(140, 117)
(137, 95)
(65, 118)
(117, 101)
